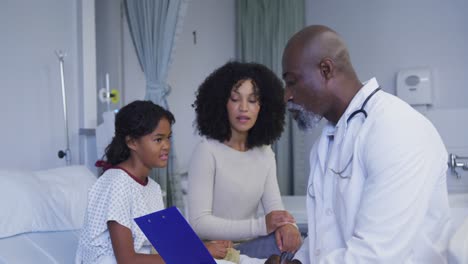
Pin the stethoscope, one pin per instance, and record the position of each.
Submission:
(361, 110)
(310, 188)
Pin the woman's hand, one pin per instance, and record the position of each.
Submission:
(275, 219)
(218, 248)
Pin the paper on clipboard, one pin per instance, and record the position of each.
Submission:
(173, 237)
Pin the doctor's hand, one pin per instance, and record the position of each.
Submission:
(288, 238)
(275, 219)
(218, 248)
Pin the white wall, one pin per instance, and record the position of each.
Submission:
(214, 23)
(32, 124)
(32, 116)
(386, 36)
(383, 37)
(109, 30)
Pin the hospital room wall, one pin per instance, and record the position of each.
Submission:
(32, 124)
(195, 57)
(31, 103)
(386, 36)
(383, 37)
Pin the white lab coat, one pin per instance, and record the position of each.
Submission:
(391, 203)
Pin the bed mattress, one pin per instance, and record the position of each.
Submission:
(40, 248)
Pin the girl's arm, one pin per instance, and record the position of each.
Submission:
(122, 243)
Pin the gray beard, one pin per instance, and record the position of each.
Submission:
(306, 120)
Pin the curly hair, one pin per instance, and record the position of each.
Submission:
(136, 119)
(212, 96)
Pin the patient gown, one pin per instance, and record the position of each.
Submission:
(116, 196)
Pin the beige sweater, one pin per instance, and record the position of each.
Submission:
(226, 188)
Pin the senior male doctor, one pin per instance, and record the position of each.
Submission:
(377, 185)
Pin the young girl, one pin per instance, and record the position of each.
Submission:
(124, 191)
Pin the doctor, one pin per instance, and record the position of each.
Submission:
(377, 185)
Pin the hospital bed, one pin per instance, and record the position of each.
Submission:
(41, 214)
(296, 205)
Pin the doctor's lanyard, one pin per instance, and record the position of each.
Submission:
(353, 114)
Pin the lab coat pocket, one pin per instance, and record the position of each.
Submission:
(343, 172)
(343, 196)
(344, 183)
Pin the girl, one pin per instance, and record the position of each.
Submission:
(124, 191)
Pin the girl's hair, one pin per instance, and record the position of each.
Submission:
(210, 105)
(134, 120)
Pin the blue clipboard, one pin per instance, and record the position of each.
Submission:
(173, 237)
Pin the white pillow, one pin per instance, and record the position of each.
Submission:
(48, 200)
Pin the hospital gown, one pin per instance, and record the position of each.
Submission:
(116, 196)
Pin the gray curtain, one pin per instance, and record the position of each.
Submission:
(263, 28)
(154, 26)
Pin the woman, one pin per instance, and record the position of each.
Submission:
(240, 112)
